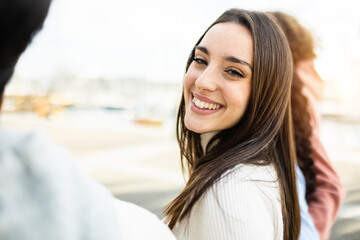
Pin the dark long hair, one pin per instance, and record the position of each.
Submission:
(263, 136)
(302, 48)
(20, 20)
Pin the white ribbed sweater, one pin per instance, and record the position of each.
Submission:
(243, 204)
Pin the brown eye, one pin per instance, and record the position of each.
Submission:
(200, 61)
(235, 73)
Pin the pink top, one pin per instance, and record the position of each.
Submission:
(324, 203)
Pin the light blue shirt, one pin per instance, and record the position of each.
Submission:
(307, 230)
(44, 196)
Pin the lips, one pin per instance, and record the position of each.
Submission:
(205, 103)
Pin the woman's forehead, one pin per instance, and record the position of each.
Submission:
(229, 39)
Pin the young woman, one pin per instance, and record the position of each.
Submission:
(235, 132)
(324, 191)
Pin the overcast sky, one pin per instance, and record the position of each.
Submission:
(152, 39)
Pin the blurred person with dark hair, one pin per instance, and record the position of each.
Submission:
(19, 22)
(43, 195)
(321, 185)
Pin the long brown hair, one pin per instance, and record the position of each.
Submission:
(302, 48)
(262, 137)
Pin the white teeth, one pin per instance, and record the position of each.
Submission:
(197, 102)
(201, 104)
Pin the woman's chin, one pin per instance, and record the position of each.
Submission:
(197, 127)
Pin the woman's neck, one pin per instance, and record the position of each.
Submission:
(205, 139)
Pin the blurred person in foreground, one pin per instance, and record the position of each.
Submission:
(319, 182)
(43, 195)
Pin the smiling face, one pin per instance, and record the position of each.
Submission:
(217, 84)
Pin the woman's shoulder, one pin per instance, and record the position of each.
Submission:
(243, 199)
(248, 182)
(250, 172)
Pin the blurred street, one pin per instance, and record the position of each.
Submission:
(347, 225)
(140, 163)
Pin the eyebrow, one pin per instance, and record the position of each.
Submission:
(236, 60)
(202, 49)
(229, 58)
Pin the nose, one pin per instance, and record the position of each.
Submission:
(207, 80)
